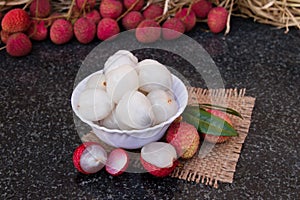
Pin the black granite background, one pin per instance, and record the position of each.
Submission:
(38, 137)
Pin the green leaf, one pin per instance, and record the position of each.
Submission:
(221, 108)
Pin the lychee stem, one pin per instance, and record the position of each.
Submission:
(128, 10)
(2, 48)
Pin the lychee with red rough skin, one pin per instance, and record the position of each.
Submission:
(217, 19)
(94, 16)
(188, 17)
(153, 11)
(61, 31)
(84, 30)
(85, 4)
(107, 29)
(52, 18)
(89, 158)
(40, 8)
(4, 36)
(132, 19)
(159, 158)
(184, 137)
(18, 44)
(213, 138)
(138, 6)
(37, 30)
(201, 8)
(172, 29)
(148, 31)
(117, 162)
(15, 20)
(111, 8)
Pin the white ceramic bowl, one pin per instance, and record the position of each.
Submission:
(132, 139)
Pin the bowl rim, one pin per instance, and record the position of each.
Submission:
(133, 131)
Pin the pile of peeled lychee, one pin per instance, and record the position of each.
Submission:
(87, 21)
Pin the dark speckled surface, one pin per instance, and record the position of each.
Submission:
(38, 137)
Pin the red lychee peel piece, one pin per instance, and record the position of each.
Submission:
(84, 30)
(18, 44)
(137, 7)
(115, 156)
(132, 20)
(37, 30)
(201, 8)
(173, 28)
(153, 11)
(148, 31)
(15, 20)
(156, 171)
(188, 17)
(40, 8)
(107, 29)
(217, 19)
(61, 31)
(111, 9)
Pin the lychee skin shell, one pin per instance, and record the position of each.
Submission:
(18, 44)
(94, 16)
(111, 9)
(40, 8)
(84, 30)
(132, 20)
(188, 17)
(156, 171)
(89, 4)
(153, 11)
(148, 31)
(61, 31)
(201, 8)
(137, 7)
(37, 30)
(216, 19)
(217, 139)
(107, 29)
(173, 28)
(15, 20)
(185, 138)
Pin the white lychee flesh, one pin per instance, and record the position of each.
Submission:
(121, 57)
(117, 161)
(96, 81)
(110, 121)
(93, 159)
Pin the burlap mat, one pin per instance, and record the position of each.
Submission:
(212, 163)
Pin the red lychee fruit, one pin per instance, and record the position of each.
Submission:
(85, 4)
(153, 11)
(185, 138)
(52, 18)
(216, 19)
(172, 29)
(201, 8)
(94, 16)
(148, 31)
(40, 8)
(111, 8)
(4, 36)
(84, 30)
(61, 31)
(138, 6)
(37, 30)
(188, 17)
(89, 158)
(213, 138)
(117, 162)
(107, 29)
(18, 44)
(132, 19)
(15, 20)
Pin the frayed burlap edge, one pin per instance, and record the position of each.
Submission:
(217, 162)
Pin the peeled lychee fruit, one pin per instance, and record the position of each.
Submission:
(132, 19)
(201, 8)
(216, 19)
(185, 138)
(111, 9)
(107, 29)
(213, 138)
(37, 30)
(61, 31)
(85, 4)
(117, 162)
(89, 158)
(84, 30)
(94, 16)
(172, 29)
(188, 17)
(159, 158)
(4, 36)
(153, 11)
(138, 6)
(40, 8)
(15, 20)
(18, 44)
(148, 31)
